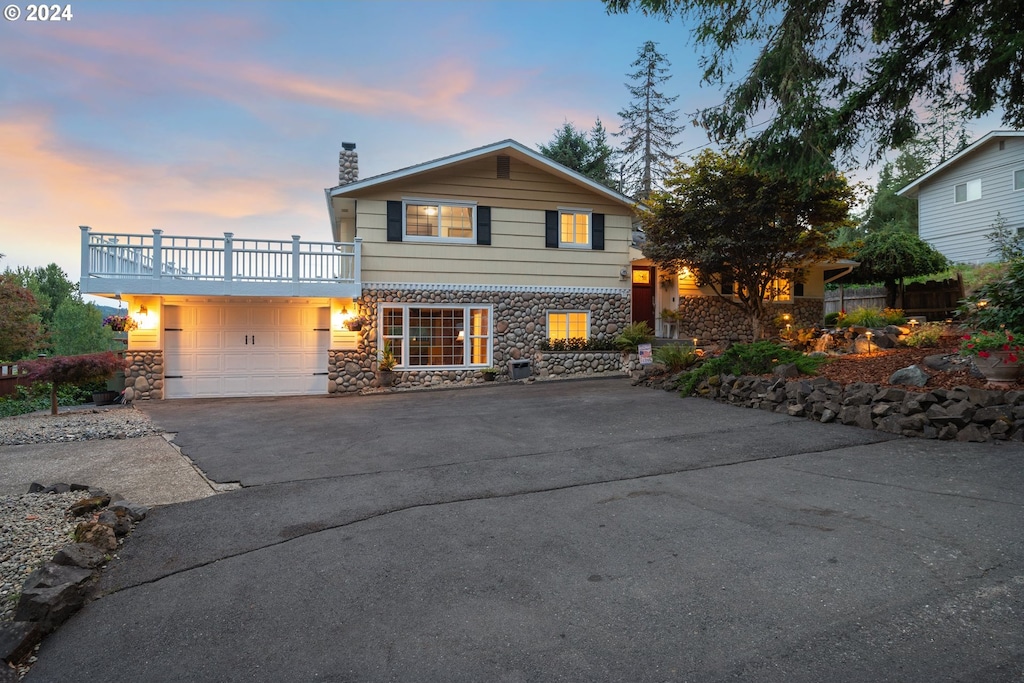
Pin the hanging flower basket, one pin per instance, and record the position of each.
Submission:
(355, 324)
(120, 323)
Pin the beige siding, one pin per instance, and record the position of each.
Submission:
(516, 255)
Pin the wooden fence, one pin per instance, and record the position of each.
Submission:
(10, 380)
(935, 300)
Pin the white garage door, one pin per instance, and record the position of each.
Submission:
(245, 350)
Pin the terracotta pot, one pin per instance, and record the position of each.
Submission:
(998, 369)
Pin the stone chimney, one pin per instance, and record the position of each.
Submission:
(348, 164)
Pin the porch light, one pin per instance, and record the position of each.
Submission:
(145, 319)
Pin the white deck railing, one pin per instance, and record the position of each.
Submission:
(215, 259)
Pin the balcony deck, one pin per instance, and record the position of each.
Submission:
(114, 263)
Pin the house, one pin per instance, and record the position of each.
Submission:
(461, 263)
(677, 307)
(960, 200)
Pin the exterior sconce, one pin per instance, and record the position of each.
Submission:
(145, 319)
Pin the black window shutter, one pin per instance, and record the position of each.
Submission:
(597, 239)
(483, 225)
(394, 221)
(551, 229)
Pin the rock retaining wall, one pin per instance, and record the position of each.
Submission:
(711, 320)
(962, 413)
(143, 375)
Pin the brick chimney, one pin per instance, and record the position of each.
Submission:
(348, 164)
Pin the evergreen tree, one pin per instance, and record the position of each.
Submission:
(648, 125)
(837, 75)
(585, 153)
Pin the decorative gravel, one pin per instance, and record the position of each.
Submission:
(33, 527)
(76, 425)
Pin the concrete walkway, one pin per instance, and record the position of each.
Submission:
(570, 531)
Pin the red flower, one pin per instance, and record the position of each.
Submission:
(983, 354)
(1012, 358)
(967, 336)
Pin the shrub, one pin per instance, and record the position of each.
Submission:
(575, 344)
(634, 335)
(759, 358)
(926, 336)
(676, 357)
(872, 317)
(37, 397)
(832, 319)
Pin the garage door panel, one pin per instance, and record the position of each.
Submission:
(247, 350)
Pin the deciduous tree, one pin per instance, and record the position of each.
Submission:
(890, 255)
(728, 223)
(21, 331)
(71, 370)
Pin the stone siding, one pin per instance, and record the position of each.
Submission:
(143, 375)
(519, 325)
(713, 321)
(963, 413)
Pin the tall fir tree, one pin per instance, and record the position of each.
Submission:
(648, 125)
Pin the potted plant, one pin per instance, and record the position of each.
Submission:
(356, 323)
(386, 363)
(996, 353)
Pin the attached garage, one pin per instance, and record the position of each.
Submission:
(216, 349)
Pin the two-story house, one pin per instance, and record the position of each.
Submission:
(461, 263)
(960, 200)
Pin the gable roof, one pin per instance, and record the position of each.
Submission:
(913, 188)
(515, 149)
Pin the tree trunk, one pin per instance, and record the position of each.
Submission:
(53, 398)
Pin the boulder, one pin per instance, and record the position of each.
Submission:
(786, 370)
(910, 376)
(53, 593)
(119, 520)
(17, 639)
(100, 535)
(84, 555)
(88, 505)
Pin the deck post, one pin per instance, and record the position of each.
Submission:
(158, 261)
(85, 251)
(228, 258)
(357, 254)
(295, 258)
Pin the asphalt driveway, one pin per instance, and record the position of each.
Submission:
(561, 531)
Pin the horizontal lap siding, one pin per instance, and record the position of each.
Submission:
(960, 230)
(516, 255)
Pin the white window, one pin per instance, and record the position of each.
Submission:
(779, 289)
(1018, 179)
(437, 336)
(440, 221)
(967, 192)
(566, 325)
(574, 227)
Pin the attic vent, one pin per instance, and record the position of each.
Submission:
(504, 166)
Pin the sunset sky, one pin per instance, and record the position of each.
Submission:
(202, 118)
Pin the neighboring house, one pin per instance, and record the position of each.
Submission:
(960, 200)
(461, 263)
(677, 308)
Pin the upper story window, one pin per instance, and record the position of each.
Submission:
(1018, 179)
(967, 192)
(443, 221)
(574, 228)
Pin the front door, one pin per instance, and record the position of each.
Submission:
(643, 295)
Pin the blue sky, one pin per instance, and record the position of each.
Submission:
(201, 118)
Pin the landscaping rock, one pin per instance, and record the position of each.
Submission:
(84, 555)
(53, 593)
(911, 376)
(17, 638)
(99, 535)
(88, 505)
(118, 520)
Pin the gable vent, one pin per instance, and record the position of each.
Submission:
(504, 167)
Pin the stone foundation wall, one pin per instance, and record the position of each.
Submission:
(143, 375)
(519, 326)
(560, 364)
(963, 413)
(713, 321)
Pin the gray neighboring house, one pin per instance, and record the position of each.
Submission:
(959, 200)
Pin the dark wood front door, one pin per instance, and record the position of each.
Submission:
(643, 294)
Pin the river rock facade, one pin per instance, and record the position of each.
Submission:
(519, 323)
(711, 320)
